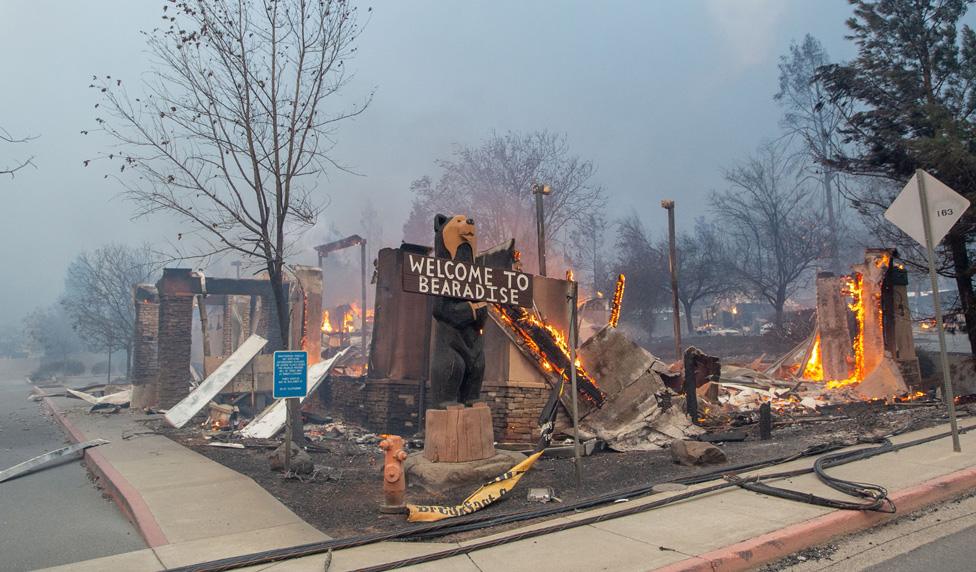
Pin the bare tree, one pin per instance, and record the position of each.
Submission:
(49, 330)
(234, 127)
(701, 270)
(588, 254)
(492, 184)
(644, 266)
(10, 169)
(808, 115)
(771, 227)
(98, 295)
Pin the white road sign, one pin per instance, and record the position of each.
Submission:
(945, 208)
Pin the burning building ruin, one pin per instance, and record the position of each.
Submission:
(879, 319)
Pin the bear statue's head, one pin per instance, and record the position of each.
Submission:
(454, 238)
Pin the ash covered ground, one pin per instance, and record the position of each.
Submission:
(343, 496)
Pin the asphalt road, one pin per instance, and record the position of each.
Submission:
(55, 515)
(940, 538)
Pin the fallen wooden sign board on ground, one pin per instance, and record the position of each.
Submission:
(46, 458)
(183, 411)
(272, 419)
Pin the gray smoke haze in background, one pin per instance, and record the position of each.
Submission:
(660, 95)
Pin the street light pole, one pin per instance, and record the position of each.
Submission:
(669, 206)
(538, 191)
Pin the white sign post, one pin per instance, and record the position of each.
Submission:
(926, 195)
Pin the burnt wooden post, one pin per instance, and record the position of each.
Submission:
(699, 370)
(202, 306)
(539, 191)
(363, 320)
(571, 297)
(691, 385)
(765, 422)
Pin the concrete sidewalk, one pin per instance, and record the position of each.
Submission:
(190, 509)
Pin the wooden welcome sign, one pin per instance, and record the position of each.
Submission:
(446, 277)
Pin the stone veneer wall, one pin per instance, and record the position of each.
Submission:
(144, 354)
(390, 406)
(515, 408)
(175, 325)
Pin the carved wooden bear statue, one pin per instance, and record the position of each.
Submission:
(458, 364)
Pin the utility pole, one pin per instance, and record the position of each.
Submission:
(538, 191)
(363, 316)
(669, 206)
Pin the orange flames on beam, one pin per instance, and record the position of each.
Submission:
(617, 296)
(522, 323)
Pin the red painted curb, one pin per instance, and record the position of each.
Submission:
(750, 554)
(124, 494)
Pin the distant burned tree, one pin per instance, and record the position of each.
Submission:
(492, 183)
(11, 168)
(588, 254)
(808, 115)
(49, 331)
(234, 126)
(701, 269)
(98, 295)
(646, 270)
(772, 229)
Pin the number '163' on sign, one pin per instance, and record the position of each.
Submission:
(946, 206)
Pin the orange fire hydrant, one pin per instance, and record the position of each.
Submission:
(394, 478)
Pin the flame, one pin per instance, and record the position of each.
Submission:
(814, 368)
(615, 306)
(350, 320)
(521, 322)
(864, 311)
(569, 275)
(855, 288)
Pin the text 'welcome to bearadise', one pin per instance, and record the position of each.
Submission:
(445, 277)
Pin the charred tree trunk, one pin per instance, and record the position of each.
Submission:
(964, 283)
(281, 305)
(688, 322)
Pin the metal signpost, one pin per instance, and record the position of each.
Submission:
(926, 195)
(571, 297)
(290, 382)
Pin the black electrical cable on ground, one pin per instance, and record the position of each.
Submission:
(277, 555)
(877, 495)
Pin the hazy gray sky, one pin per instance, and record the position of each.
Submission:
(660, 95)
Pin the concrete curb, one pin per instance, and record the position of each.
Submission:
(750, 554)
(124, 494)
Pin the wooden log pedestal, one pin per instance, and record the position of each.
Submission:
(459, 434)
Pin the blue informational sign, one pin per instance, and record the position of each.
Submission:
(290, 374)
